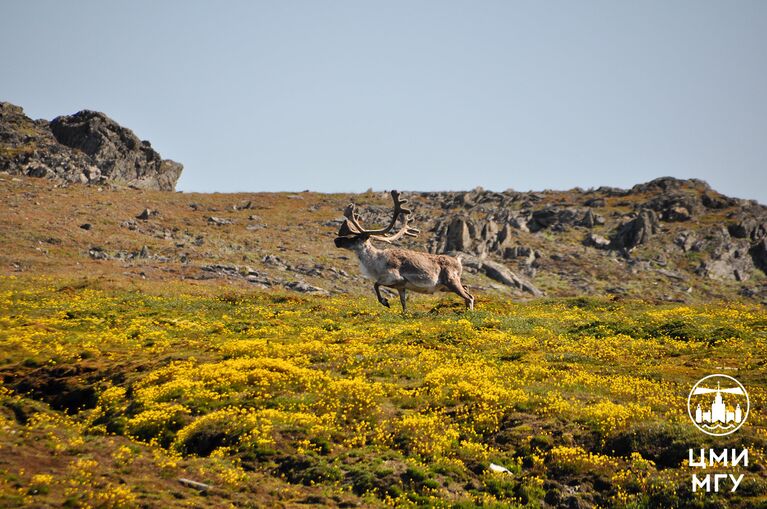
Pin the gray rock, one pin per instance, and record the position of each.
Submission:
(759, 254)
(87, 147)
(596, 241)
(29, 148)
(543, 218)
(730, 260)
(636, 231)
(500, 273)
(503, 239)
(146, 214)
(714, 200)
(98, 253)
(219, 221)
(588, 220)
(519, 222)
(115, 151)
(527, 254)
(222, 270)
(749, 225)
(668, 184)
(686, 240)
(671, 274)
(303, 287)
(595, 202)
(675, 206)
(677, 214)
(560, 218)
(459, 235)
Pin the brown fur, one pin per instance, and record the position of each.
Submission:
(403, 269)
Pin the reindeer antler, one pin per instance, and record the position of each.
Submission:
(353, 223)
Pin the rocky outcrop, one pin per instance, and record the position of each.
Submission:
(731, 260)
(86, 147)
(678, 223)
(459, 235)
(28, 147)
(500, 273)
(669, 185)
(560, 218)
(759, 254)
(636, 231)
(675, 206)
(749, 224)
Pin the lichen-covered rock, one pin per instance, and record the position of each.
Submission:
(759, 254)
(459, 235)
(731, 261)
(750, 225)
(636, 231)
(87, 147)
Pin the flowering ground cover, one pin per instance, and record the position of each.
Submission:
(109, 396)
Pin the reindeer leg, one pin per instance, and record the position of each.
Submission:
(382, 300)
(469, 304)
(402, 299)
(457, 287)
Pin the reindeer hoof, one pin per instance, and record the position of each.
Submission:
(385, 302)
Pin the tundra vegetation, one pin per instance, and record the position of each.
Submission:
(112, 393)
(150, 336)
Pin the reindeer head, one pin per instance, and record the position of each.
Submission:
(352, 234)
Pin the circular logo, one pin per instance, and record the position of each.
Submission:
(718, 405)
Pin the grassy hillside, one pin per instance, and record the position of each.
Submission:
(112, 392)
(275, 240)
(149, 337)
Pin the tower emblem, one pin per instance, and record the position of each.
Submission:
(718, 405)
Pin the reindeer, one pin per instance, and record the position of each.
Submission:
(401, 269)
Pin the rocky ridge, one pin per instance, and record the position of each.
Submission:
(680, 232)
(87, 147)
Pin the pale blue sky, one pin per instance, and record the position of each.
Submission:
(423, 95)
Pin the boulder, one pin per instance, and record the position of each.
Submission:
(459, 235)
(118, 153)
(675, 206)
(560, 218)
(730, 259)
(500, 273)
(595, 202)
(714, 200)
(687, 240)
(28, 147)
(759, 254)
(596, 241)
(590, 219)
(748, 225)
(668, 184)
(304, 287)
(527, 254)
(219, 221)
(543, 218)
(146, 214)
(504, 238)
(519, 222)
(636, 231)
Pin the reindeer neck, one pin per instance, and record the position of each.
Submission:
(367, 251)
